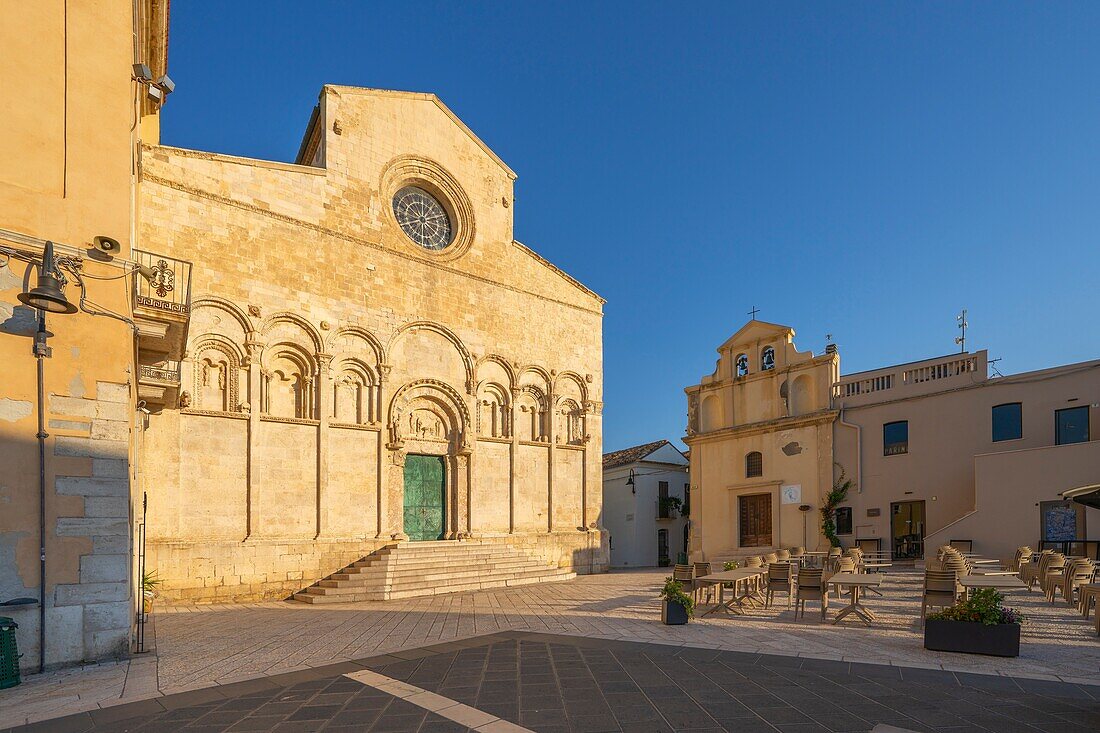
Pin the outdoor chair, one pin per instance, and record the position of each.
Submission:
(798, 551)
(753, 561)
(780, 579)
(941, 590)
(811, 587)
(835, 552)
(1078, 573)
(1029, 573)
(708, 589)
(1052, 576)
(840, 565)
(1089, 594)
(1023, 554)
(770, 558)
(782, 555)
(685, 576)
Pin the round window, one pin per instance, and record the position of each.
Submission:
(423, 218)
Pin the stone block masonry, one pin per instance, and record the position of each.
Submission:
(331, 358)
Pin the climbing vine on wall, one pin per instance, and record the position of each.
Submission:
(833, 499)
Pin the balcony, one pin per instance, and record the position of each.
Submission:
(909, 380)
(158, 380)
(162, 304)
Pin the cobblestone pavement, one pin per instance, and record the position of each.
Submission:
(518, 681)
(219, 645)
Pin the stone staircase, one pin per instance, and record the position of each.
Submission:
(412, 569)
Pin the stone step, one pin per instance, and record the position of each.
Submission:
(436, 578)
(408, 570)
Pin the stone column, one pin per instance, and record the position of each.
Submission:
(256, 397)
(513, 449)
(325, 403)
(550, 431)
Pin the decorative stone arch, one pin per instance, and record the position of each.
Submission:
(354, 392)
(494, 410)
(567, 376)
(272, 379)
(226, 306)
(433, 394)
(546, 377)
(374, 344)
(464, 353)
(570, 421)
(312, 333)
(229, 400)
(529, 411)
(503, 363)
(710, 413)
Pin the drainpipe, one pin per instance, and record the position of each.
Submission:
(41, 351)
(859, 450)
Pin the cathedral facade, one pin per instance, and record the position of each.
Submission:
(370, 359)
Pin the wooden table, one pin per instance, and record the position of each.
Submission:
(1000, 582)
(855, 582)
(741, 580)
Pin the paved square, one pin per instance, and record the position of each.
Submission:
(215, 647)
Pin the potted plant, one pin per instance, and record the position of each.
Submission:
(676, 606)
(978, 625)
(149, 584)
(670, 506)
(730, 565)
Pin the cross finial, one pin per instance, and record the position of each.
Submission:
(753, 312)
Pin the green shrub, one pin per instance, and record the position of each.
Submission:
(983, 606)
(674, 592)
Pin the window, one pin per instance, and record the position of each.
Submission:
(767, 359)
(662, 499)
(662, 547)
(1071, 425)
(742, 365)
(844, 520)
(687, 500)
(1008, 422)
(895, 438)
(754, 465)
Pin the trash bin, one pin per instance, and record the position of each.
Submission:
(9, 653)
(681, 558)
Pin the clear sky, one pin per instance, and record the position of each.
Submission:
(860, 169)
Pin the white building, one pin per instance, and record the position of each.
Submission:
(646, 504)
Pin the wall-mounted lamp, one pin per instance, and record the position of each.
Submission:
(158, 89)
(48, 295)
(630, 482)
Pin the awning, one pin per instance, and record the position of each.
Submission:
(1087, 495)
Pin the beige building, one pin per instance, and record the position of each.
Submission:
(936, 451)
(371, 358)
(281, 367)
(760, 431)
(73, 120)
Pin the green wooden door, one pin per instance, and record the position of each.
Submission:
(424, 497)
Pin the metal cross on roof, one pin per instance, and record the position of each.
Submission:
(753, 312)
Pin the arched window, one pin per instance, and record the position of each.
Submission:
(767, 358)
(754, 464)
(742, 364)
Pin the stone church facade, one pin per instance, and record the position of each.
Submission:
(371, 358)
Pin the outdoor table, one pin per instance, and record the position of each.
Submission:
(739, 578)
(982, 561)
(874, 566)
(855, 582)
(1000, 582)
(817, 556)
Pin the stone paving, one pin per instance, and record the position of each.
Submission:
(517, 681)
(219, 645)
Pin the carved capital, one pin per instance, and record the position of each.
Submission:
(593, 407)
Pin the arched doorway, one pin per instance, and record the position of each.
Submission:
(425, 497)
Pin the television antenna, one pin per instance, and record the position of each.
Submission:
(961, 340)
(993, 367)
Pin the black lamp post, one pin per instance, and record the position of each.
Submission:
(630, 482)
(46, 297)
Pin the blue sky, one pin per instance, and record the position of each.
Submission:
(859, 169)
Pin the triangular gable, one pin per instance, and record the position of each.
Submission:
(757, 331)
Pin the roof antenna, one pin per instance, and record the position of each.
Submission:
(961, 340)
(993, 367)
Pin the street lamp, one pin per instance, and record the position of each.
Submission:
(48, 296)
(630, 482)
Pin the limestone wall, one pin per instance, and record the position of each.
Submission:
(325, 346)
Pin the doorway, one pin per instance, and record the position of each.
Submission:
(425, 490)
(662, 548)
(755, 525)
(907, 529)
